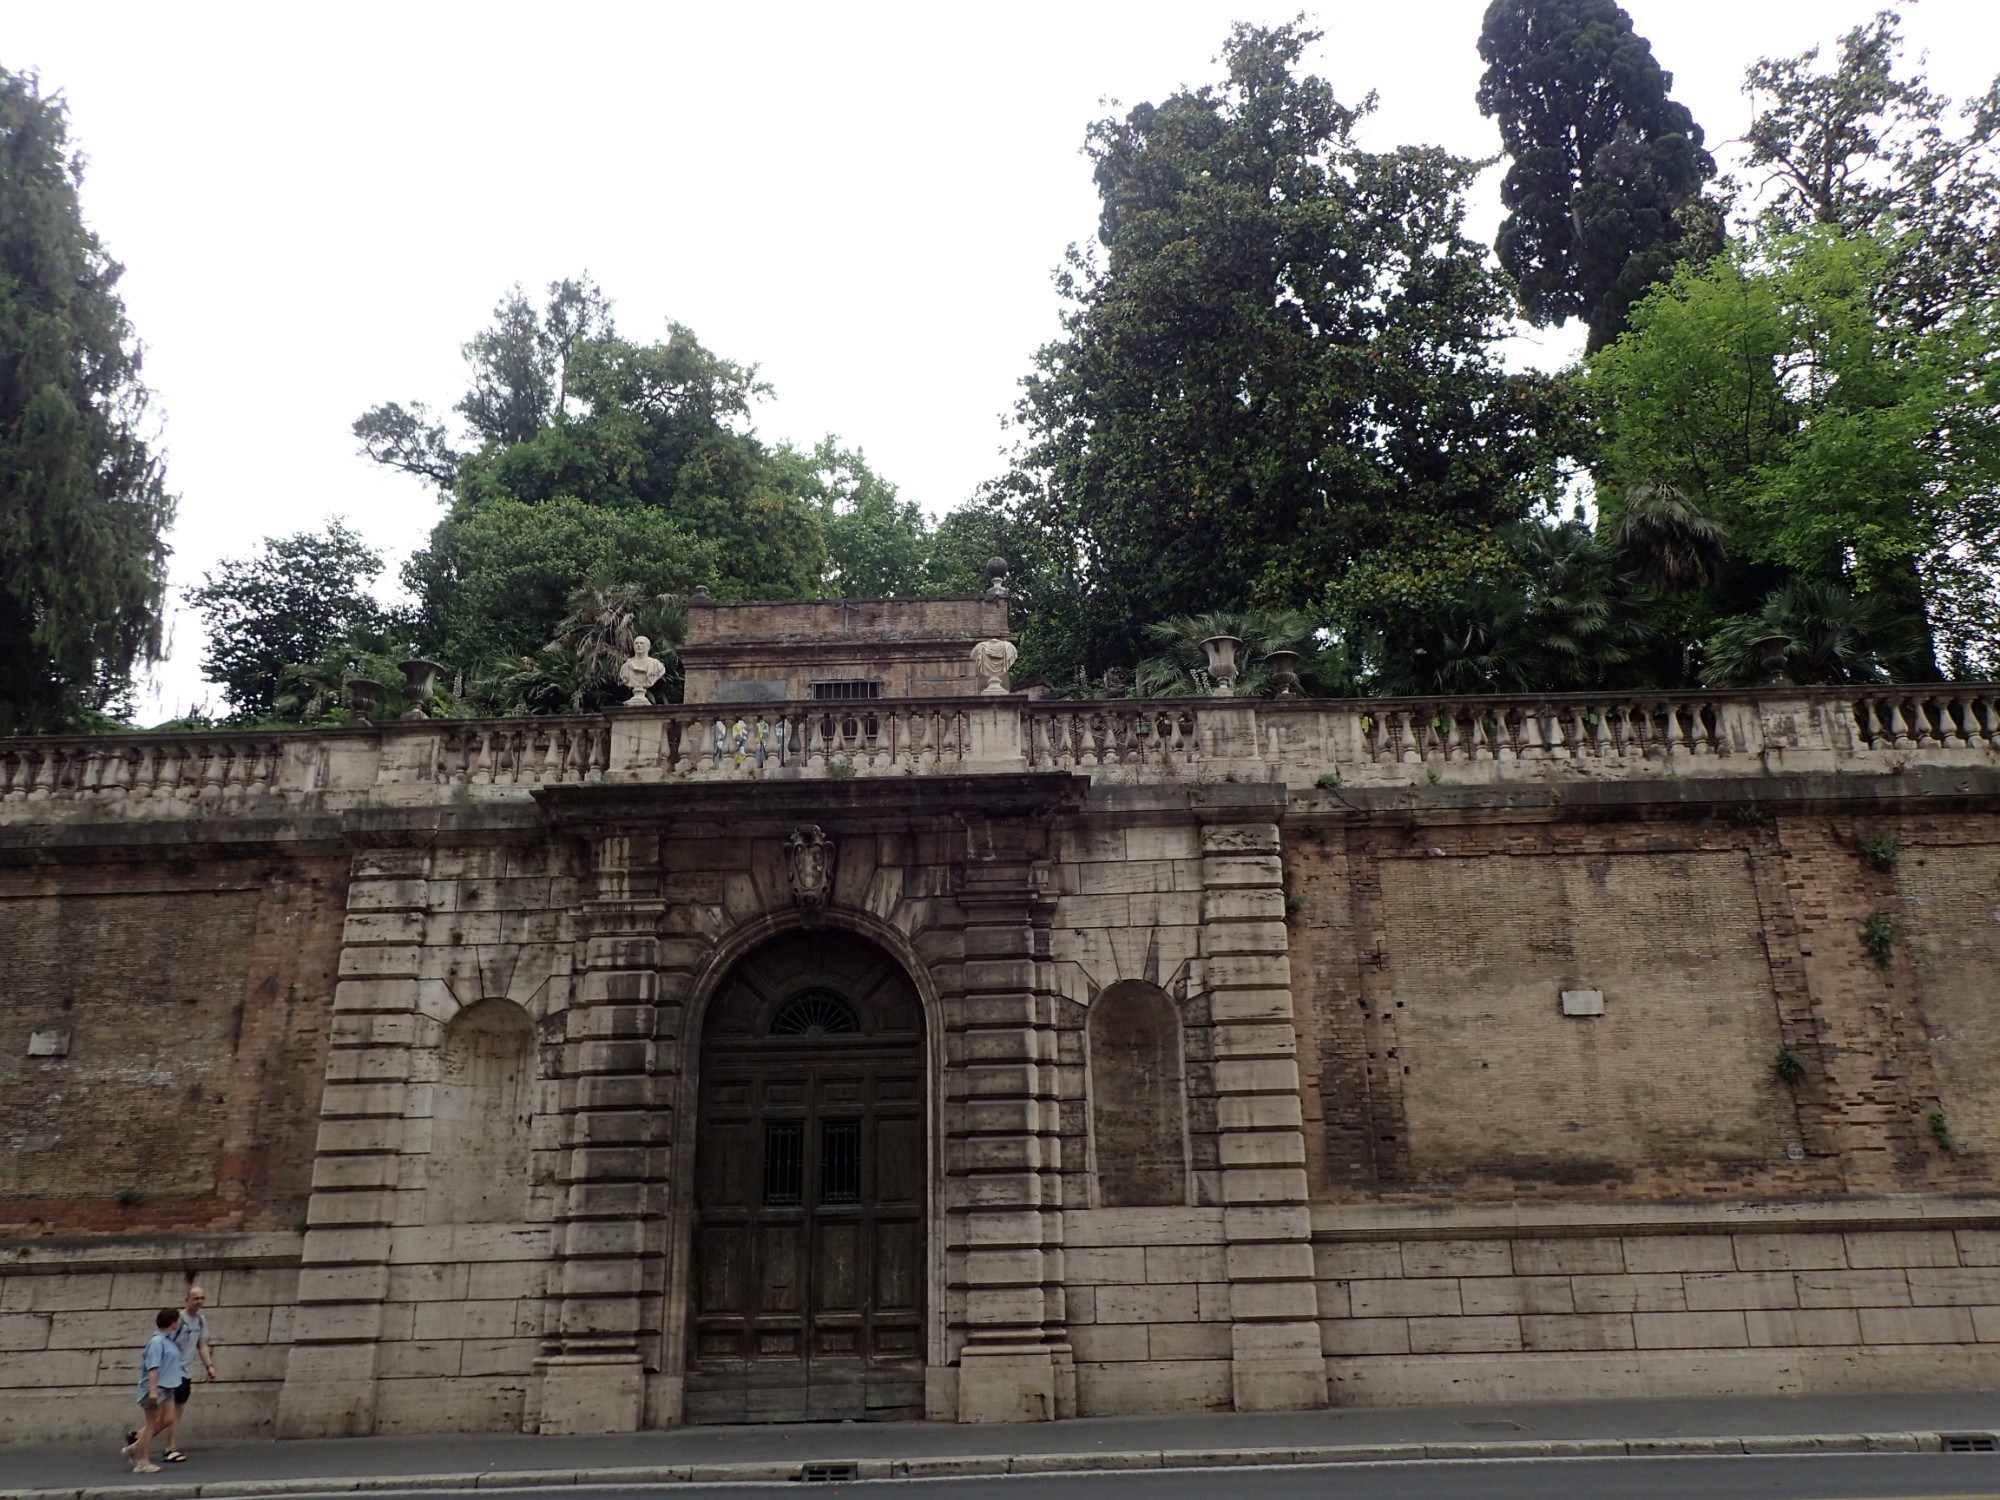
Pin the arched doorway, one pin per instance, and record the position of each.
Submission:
(808, 1266)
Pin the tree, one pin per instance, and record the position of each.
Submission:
(283, 607)
(1281, 364)
(498, 579)
(520, 381)
(877, 545)
(83, 501)
(1835, 446)
(1553, 613)
(1603, 190)
(1830, 635)
(1864, 150)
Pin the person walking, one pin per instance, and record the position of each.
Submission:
(159, 1377)
(192, 1339)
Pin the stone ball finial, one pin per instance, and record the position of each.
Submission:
(996, 575)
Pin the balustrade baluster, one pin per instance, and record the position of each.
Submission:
(1981, 721)
(1902, 730)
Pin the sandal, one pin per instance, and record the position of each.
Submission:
(145, 1468)
(173, 1456)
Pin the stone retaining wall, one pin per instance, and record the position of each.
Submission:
(1487, 1305)
(75, 1318)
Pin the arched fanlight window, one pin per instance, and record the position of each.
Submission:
(815, 1013)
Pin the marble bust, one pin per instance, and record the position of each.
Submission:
(640, 671)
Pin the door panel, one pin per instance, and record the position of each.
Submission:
(809, 1237)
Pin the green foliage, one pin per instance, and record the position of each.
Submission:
(1878, 936)
(597, 462)
(1049, 608)
(320, 691)
(1941, 1130)
(1664, 540)
(1862, 150)
(1831, 635)
(1833, 446)
(877, 546)
(282, 607)
(1180, 667)
(1789, 1068)
(1280, 365)
(499, 578)
(577, 671)
(1881, 851)
(1554, 611)
(1603, 187)
(83, 502)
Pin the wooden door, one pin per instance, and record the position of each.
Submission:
(808, 1272)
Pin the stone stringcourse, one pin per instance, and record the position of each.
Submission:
(422, 1007)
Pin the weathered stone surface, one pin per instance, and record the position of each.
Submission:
(1358, 1137)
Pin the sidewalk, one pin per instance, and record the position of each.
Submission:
(1773, 1424)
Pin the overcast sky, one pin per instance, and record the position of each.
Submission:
(316, 205)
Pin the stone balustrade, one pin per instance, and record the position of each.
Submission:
(1299, 742)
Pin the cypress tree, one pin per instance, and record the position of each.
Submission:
(1604, 163)
(83, 503)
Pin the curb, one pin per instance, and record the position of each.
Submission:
(1017, 1463)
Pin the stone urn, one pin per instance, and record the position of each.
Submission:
(1284, 667)
(1768, 652)
(1222, 652)
(420, 677)
(364, 696)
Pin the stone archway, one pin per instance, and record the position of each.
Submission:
(807, 1285)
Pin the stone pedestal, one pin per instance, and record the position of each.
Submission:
(1276, 1362)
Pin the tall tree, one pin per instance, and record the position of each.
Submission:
(83, 501)
(1280, 366)
(578, 459)
(1835, 446)
(1603, 190)
(878, 545)
(282, 607)
(1862, 148)
(519, 367)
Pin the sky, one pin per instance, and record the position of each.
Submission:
(316, 205)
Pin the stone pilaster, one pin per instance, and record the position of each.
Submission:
(606, 1302)
(330, 1370)
(1004, 1151)
(1276, 1361)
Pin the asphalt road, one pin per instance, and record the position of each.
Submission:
(1886, 1476)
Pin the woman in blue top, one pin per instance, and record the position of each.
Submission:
(160, 1373)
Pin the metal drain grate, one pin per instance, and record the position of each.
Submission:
(1969, 1442)
(826, 1473)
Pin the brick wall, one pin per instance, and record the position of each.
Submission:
(1429, 961)
(162, 1035)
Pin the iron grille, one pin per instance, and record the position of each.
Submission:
(784, 1161)
(1969, 1442)
(840, 1161)
(846, 689)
